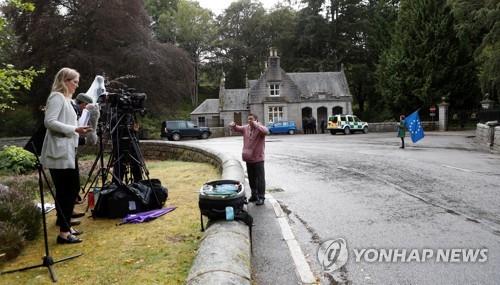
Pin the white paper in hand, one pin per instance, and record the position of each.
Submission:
(84, 118)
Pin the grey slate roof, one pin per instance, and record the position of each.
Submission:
(235, 99)
(320, 82)
(209, 106)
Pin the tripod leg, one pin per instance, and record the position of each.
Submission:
(47, 260)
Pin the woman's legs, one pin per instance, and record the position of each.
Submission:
(65, 182)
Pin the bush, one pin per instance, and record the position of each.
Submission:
(150, 127)
(16, 159)
(17, 208)
(11, 240)
(27, 184)
(18, 122)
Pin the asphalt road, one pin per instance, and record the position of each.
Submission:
(439, 194)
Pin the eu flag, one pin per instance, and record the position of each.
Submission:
(413, 125)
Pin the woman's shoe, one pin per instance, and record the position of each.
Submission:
(69, 239)
(77, 214)
(75, 232)
(72, 222)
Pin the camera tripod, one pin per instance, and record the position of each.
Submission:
(125, 158)
(47, 260)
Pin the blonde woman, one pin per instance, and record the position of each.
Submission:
(59, 149)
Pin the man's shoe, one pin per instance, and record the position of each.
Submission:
(260, 202)
(77, 214)
(69, 239)
(72, 223)
(252, 199)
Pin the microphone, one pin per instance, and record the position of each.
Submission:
(94, 114)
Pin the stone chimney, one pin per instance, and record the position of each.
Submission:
(222, 90)
(273, 66)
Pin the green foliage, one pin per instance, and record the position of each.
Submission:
(478, 27)
(18, 122)
(13, 80)
(426, 61)
(243, 41)
(150, 127)
(16, 160)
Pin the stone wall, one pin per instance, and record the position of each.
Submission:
(18, 141)
(496, 138)
(163, 151)
(483, 135)
(393, 126)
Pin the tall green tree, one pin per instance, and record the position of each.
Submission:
(162, 13)
(109, 37)
(244, 41)
(426, 61)
(478, 25)
(12, 80)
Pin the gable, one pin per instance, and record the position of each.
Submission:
(235, 99)
(209, 106)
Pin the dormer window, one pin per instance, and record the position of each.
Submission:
(274, 89)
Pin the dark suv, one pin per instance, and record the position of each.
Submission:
(175, 130)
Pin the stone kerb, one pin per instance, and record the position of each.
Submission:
(224, 255)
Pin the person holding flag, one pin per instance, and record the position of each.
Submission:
(414, 126)
(402, 130)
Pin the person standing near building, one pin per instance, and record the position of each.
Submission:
(254, 136)
(402, 130)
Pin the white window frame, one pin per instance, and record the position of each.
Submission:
(275, 114)
(274, 89)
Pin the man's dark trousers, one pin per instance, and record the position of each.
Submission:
(257, 179)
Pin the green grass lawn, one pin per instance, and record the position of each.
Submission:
(157, 252)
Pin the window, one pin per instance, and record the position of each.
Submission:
(190, 125)
(201, 122)
(275, 113)
(274, 89)
(176, 125)
(349, 119)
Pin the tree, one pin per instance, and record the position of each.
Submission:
(109, 37)
(12, 80)
(426, 61)
(244, 41)
(195, 33)
(162, 12)
(478, 25)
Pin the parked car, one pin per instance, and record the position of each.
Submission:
(282, 128)
(175, 130)
(346, 124)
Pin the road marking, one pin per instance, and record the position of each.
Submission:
(303, 269)
(457, 168)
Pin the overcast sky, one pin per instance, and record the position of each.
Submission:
(217, 6)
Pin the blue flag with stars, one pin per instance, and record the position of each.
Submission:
(413, 125)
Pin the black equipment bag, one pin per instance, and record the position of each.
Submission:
(155, 193)
(116, 201)
(213, 205)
